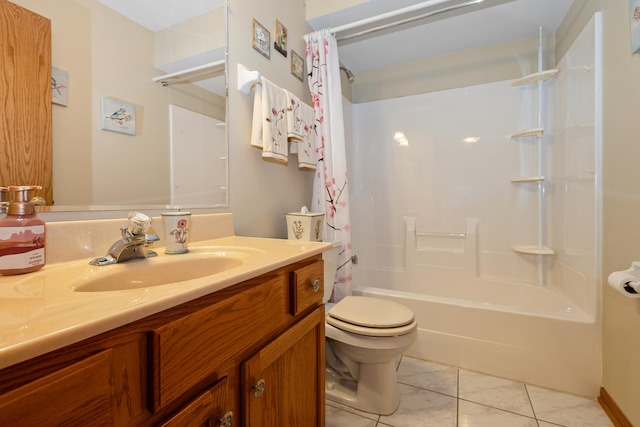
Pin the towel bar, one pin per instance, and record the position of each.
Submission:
(439, 234)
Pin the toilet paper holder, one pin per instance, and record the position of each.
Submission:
(628, 281)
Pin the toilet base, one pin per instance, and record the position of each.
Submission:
(376, 390)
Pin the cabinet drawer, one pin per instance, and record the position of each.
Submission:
(209, 409)
(195, 347)
(76, 395)
(307, 286)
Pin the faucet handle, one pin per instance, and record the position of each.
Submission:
(139, 223)
(126, 234)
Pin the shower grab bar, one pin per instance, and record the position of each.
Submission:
(439, 234)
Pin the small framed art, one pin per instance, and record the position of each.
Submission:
(261, 39)
(297, 65)
(59, 86)
(280, 40)
(117, 116)
(634, 7)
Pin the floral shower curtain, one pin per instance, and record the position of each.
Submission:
(330, 186)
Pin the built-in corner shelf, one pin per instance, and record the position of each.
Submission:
(532, 250)
(535, 78)
(536, 134)
(528, 179)
(528, 133)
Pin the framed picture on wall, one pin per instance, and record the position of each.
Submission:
(59, 86)
(261, 39)
(280, 40)
(297, 65)
(117, 116)
(634, 6)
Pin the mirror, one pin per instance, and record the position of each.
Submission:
(142, 122)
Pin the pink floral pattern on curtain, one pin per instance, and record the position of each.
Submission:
(330, 186)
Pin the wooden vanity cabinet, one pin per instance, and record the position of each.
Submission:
(197, 364)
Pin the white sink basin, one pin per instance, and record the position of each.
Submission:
(161, 270)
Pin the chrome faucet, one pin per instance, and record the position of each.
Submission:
(132, 245)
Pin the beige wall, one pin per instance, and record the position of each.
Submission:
(262, 192)
(317, 8)
(621, 206)
(470, 67)
(89, 162)
(192, 37)
(621, 195)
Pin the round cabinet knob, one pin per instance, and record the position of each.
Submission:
(226, 419)
(259, 388)
(315, 285)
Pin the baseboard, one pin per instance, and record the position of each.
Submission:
(612, 409)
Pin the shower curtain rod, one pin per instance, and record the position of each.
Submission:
(398, 12)
(178, 76)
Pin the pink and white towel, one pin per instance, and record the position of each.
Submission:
(301, 132)
(269, 126)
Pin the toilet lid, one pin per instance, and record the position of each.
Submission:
(371, 316)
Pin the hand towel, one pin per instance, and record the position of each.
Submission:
(269, 129)
(256, 123)
(295, 121)
(301, 131)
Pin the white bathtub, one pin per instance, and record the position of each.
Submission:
(557, 347)
(541, 334)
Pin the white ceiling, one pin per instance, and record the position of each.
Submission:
(157, 15)
(486, 23)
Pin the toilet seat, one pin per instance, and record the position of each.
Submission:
(369, 316)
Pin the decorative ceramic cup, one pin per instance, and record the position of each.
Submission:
(176, 231)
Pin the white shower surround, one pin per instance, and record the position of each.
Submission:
(480, 304)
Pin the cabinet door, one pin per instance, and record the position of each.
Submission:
(210, 409)
(78, 395)
(25, 93)
(283, 384)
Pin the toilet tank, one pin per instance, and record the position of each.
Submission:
(330, 258)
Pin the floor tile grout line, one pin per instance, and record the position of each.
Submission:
(533, 409)
(457, 397)
(428, 389)
(499, 409)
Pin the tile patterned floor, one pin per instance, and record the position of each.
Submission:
(438, 395)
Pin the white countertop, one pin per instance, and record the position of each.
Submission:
(41, 311)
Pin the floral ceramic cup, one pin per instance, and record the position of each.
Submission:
(176, 231)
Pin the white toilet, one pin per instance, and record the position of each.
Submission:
(364, 336)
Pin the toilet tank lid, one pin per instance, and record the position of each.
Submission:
(371, 312)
